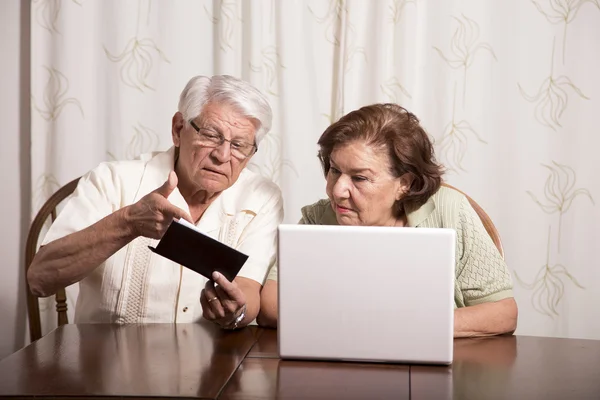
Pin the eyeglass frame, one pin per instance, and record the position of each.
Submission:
(223, 140)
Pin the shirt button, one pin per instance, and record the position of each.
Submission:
(185, 309)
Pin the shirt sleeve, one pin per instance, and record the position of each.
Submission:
(483, 275)
(273, 272)
(97, 195)
(259, 240)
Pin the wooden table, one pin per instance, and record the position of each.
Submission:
(201, 361)
(504, 367)
(158, 360)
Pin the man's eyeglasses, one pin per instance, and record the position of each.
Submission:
(208, 138)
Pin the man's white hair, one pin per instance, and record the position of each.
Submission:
(244, 97)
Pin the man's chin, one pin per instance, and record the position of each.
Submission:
(214, 184)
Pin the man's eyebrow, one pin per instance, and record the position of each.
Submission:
(209, 126)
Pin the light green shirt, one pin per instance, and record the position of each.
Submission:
(481, 273)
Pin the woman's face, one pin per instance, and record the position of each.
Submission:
(361, 187)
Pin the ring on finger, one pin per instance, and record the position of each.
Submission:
(212, 299)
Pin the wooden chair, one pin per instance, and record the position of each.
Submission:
(485, 219)
(33, 307)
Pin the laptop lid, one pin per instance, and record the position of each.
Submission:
(354, 293)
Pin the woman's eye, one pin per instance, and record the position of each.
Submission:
(334, 171)
(359, 178)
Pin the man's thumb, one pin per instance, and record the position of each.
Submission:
(169, 185)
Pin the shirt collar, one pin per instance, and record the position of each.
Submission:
(416, 217)
(235, 198)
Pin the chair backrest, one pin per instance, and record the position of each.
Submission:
(485, 219)
(33, 307)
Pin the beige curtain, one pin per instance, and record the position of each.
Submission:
(508, 89)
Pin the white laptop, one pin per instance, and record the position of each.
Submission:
(375, 294)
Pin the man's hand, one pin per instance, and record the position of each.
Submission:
(71, 258)
(153, 213)
(221, 304)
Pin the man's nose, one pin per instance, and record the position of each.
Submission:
(222, 152)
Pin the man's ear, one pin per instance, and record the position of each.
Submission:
(406, 181)
(177, 125)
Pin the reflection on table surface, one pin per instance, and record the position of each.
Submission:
(513, 367)
(203, 361)
(501, 367)
(126, 360)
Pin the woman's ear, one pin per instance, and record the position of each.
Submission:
(406, 181)
(177, 125)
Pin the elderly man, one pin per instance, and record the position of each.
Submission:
(101, 238)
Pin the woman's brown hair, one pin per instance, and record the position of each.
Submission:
(397, 131)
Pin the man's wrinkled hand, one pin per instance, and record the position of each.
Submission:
(153, 213)
(221, 303)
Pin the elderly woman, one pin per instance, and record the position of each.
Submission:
(381, 171)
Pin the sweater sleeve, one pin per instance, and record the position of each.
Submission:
(482, 274)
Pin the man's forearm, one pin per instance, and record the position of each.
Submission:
(486, 319)
(68, 260)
